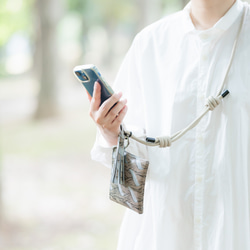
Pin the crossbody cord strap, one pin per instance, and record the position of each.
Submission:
(211, 104)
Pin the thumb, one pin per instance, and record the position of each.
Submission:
(96, 99)
(89, 96)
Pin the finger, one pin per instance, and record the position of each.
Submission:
(110, 103)
(108, 119)
(96, 99)
(119, 118)
(89, 96)
(116, 110)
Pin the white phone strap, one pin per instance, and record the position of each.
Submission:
(211, 104)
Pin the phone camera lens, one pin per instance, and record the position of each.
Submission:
(82, 76)
(85, 77)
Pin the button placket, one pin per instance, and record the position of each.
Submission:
(199, 190)
(199, 156)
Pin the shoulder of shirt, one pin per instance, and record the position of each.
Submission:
(163, 25)
(247, 5)
(247, 20)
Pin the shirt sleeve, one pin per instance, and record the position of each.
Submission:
(128, 82)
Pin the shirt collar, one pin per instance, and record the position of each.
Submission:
(222, 25)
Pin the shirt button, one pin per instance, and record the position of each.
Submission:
(198, 220)
(199, 179)
(200, 138)
(204, 57)
(204, 36)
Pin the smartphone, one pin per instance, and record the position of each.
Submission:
(88, 75)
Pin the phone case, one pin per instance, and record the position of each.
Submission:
(88, 75)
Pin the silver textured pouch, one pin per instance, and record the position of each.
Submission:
(128, 177)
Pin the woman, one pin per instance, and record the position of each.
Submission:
(197, 190)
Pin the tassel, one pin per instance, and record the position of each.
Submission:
(118, 168)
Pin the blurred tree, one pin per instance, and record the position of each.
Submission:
(1, 188)
(184, 2)
(148, 11)
(48, 14)
(109, 14)
(14, 17)
(113, 14)
(84, 10)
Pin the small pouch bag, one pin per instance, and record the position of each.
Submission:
(128, 177)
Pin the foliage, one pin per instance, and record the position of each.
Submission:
(14, 16)
(17, 15)
(98, 11)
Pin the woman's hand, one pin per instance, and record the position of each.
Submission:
(109, 115)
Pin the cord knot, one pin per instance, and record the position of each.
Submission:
(164, 141)
(212, 102)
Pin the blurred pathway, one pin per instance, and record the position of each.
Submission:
(54, 196)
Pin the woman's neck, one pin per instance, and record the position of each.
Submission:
(205, 13)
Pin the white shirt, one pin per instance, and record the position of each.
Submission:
(198, 191)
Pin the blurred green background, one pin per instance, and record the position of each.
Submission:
(52, 196)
